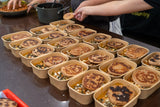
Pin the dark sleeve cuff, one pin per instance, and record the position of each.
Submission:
(153, 3)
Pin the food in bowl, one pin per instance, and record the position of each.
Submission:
(117, 95)
(90, 82)
(50, 61)
(55, 35)
(134, 52)
(72, 27)
(71, 70)
(65, 42)
(17, 36)
(152, 60)
(40, 50)
(79, 50)
(118, 68)
(26, 43)
(97, 58)
(145, 78)
(44, 30)
(99, 38)
(93, 81)
(84, 33)
(113, 45)
(68, 71)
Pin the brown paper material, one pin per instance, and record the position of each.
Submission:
(145, 93)
(79, 97)
(25, 60)
(101, 52)
(43, 73)
(104, 66)
(6, 43)
(62, 84)
(104, 88)
(102, 44)
(15, 51)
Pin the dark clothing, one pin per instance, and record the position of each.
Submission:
(143, 23)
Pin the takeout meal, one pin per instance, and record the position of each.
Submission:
(152, 60)
(99, 37)
(96, 58)
(68, 16)
(61, 23)
(18, 36)
(85, 32)
(72, 27)
(5, 102)
(22, 8)
(117, 95)
(89, 83)
(42, 29)
(64, 42)
(55, 35)
(113, 45)
(40, 50)
(118, 68)
(144, 78)
(50, 61)
(59, 75)
(79, 50)
(133, 52)
(68, 71)
(26, 43)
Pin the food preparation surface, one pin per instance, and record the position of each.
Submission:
(39, 92)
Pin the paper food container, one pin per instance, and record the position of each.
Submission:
(91, 39)
(61, 23)
(103, 44)
(67, 49)
(15, 51)
(43, 73)
(45, 39)
(39, 32)
(76, 33)
(7, 38)
(80, 97)
(62, 84)
(104, 66)
(84, 58)
(65, 27)
(137, 60)
(145, 92)
(101, 91)
(23, 53)
(145, 62)
(55, 42)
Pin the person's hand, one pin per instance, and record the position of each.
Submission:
(82, 13)
(12, 4)
(34, 2)
(83, 4)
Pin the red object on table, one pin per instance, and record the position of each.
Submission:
(12, 96)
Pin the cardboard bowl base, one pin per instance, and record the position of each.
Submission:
(41, 74)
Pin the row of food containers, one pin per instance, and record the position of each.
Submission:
(43, 68)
